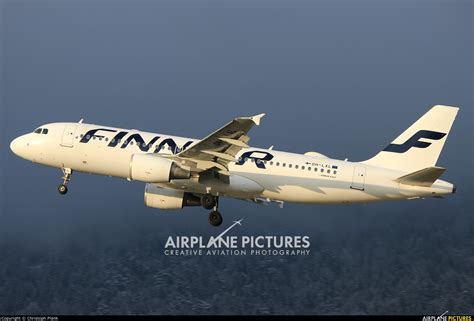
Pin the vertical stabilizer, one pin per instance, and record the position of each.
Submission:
(420, 145)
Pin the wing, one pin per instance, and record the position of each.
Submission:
(218, 149)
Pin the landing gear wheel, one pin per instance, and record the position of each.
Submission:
(208, 202)
(62, 189)
(215, 218)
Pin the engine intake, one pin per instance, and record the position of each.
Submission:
(168, 199)
(150, 168)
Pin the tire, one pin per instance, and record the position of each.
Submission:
(62, 189)
(215, 218)
(208, 202)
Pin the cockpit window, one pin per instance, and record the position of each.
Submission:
(38, 131)
(45, 131)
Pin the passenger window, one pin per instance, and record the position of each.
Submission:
(289, 165)
(329, 171)
(302, 167)
(271, 163)
(322, 170)
(106, 139)
(37, 131)
(315, 169)
(45, 131)
(278, 163)
(284, 164)
(309, 168)
(334, 172)
(296, 166)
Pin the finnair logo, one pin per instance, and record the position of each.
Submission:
(258, 157)
(414, 141)
(237, 245)
(119, 140)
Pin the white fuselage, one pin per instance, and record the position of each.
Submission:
(266, 174)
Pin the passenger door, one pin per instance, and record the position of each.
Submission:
(68, 136)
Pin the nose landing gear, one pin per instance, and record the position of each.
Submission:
(62, 189)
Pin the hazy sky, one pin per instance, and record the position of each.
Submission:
(339, 77)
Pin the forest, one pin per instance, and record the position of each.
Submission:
(407, 269)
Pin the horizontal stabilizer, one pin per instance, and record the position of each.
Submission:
(424, 177)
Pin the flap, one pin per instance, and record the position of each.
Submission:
(221, 147)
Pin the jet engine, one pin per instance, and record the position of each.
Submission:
(168, 199)
(150, 168)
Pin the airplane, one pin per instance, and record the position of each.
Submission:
(181, 172)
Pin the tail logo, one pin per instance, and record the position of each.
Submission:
(414, 141)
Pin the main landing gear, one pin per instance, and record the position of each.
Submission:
(62, 189)
(212, 202)
(215, 218)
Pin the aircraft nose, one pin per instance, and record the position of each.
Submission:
(14, 145)
(17, 145)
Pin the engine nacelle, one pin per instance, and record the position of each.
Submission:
(168, 199)
(150, 168)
